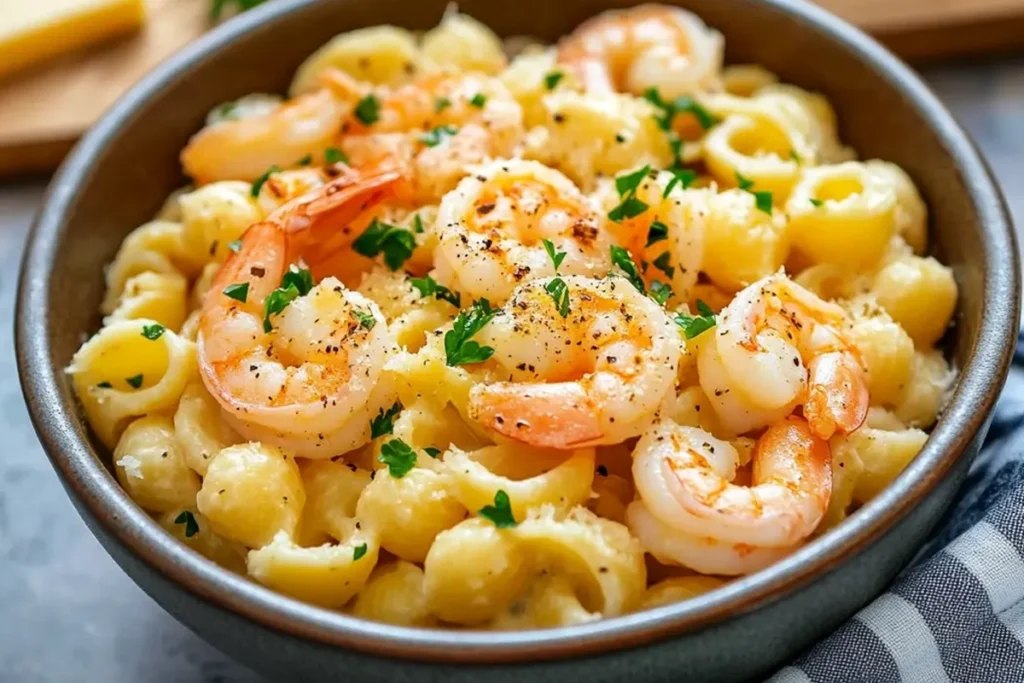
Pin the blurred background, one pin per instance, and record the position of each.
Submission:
(62, 62)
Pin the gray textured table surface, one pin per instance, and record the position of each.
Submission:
(68, 613)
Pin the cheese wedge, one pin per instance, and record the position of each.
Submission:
(32, 31)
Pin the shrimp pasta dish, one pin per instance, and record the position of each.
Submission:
(464, 332)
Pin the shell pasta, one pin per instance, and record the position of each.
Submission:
(460, 333)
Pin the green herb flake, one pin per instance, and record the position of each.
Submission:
(478, 100)
(680, 176)
(552, 79)
(500, 514)
(364, 318)
(436, 136)
(664, 264)
(627, 186)
(135, 382)
(556, 256)
(153, 332)
(695, 325)
(559, 292)
(397, 244)
(458, 347)
(295, 283)
(417, 224)
(189, 520)
(795, 157)
(235, 246)
(333, 155)
(622, 259)
(656, 233)
(660, 293)
(238, 292)
(816, 202)
(258, 183)
(384, 422)
(762, 199)
(427, 286)
(432, 452)
(358, 552)
(104, 385)
(441, 103)
(744, 182)
(398, 456)
(368, 109)
(305, 161)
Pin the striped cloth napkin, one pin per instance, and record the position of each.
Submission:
(957, 612)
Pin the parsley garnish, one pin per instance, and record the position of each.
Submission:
(458, 348)
(436, 136)
(417, 224)
(258, 184)
(816, 202)
(624, 261)
(396, 243)
(398, 456)
(135, 381)
(441, 103)
(238, 292)
(680, 176)
(656, 233)
(552, 79)
(384, 422)
(500, 514)
(235, 245)
(368, 109)
(556, 256)
(333, 155)
(559, 292)
(152, 332)
(432, 452)
(305, 161)
(358, 552)
(694, 325)
(105, 385)
(794, 156)
(660, 292)
(189, 520)
(664, 264)
(762, 199)
(295, 283)
(428, 286)
(627, 186)
(683, 104)
(479, 100)
(365, 319)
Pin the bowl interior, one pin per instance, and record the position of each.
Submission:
(121, 173)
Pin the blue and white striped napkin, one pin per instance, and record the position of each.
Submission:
(957, 613)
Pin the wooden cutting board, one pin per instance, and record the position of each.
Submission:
(43, 111)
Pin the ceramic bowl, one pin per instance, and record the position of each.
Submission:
(119, 174)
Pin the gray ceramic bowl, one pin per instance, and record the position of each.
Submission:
(118, 175)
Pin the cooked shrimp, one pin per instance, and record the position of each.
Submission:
(492, 228)
(244, 148)
(309, 377)
(596, 376)
(777, 346)
(648, 46)
(437, 127)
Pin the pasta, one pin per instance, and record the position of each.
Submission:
(513, 336)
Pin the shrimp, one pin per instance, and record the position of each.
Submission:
(491, 230)
(244, 148)
(596, 376)
(647, 46)
(753, 370)
(308, 378)
(683, 476)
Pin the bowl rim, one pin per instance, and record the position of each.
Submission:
(61, 431)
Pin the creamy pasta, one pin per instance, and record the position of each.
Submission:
(453, 338)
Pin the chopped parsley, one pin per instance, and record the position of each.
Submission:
(552, 79)
(104, 385)
(762, 199)
(238, 292)
(559, 292)
(397, 244)
(694, 325)
(556, 256)
(622, 259)
(458, 347)
(258, 183)
(660, 292)
(358, 552)
(432, 452)
(368, 109)
(295, 283)
(664, 264)
(794, 156)
(417, 224)
(384, 422)
(235, 246)
(680, 176)
(436, 136)
(135, 382)
(500, 514)
(816, 202)
(656, 233)
(428, 286)
(479, 100)
(441, 103)
(153, 332)
(364, 318)
(398, 456)
(189, 520)
(333, 155)
(683, 104)
(627, 186)
(305, 161)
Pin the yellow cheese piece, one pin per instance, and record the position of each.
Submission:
(34, 30)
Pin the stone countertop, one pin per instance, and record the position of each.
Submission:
(71, 615)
